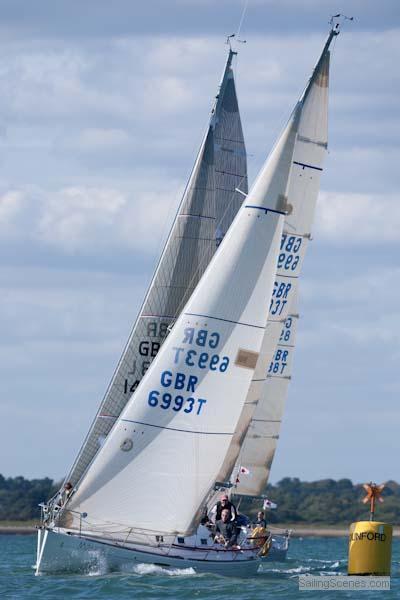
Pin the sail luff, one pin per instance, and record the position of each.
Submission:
(208, 203)
(309, 152)
(172, 437)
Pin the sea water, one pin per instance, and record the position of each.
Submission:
(316, 556)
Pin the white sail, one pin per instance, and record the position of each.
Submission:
(208, 207)
(263, 433)
(162, 457)
(310, 149)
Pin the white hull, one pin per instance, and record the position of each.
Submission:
(61, 552)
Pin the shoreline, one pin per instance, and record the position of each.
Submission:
(17, 529)
(322, 530)
(296, 532)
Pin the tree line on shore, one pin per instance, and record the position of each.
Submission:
(324, 502)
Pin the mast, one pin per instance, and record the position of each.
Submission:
(208, 207)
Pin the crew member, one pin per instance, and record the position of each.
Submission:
(65, 493)
(226, 530)
(224, 503)
(261, 522)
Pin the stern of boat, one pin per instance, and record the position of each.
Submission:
(280, 544)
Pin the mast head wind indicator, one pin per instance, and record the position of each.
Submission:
(337, 20)
(230, 37)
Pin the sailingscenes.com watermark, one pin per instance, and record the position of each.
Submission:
(343, 583)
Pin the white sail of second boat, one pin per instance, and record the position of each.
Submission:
(258, 430)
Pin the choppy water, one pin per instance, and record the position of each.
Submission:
(278, 580)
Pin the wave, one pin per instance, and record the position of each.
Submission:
(315, 565)
(294, 571)
(150, 569)
(99, 565)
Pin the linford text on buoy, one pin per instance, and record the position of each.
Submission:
(370, 542)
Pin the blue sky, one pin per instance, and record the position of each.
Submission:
(101, 113)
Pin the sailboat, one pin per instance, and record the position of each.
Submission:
(169, 429)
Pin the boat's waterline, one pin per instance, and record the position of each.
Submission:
(63, 552)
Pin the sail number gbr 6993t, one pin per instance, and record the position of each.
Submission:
(198, 352)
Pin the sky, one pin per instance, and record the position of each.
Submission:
(102, 110)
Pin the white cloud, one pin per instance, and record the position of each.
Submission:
(137, 213)
(351, 319)
(54, 83)
(76, 216)
(86, 218)
(43, 309)
(95, 138)
(172, 55)
(166, 95)
(10, 204)
(358, 218)
(332, 288)
(385, 329)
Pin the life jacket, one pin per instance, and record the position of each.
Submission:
(267, 546)
(229, 506)
(260, 538)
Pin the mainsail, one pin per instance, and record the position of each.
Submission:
(207, 209)
(262, 404)
(161, 459)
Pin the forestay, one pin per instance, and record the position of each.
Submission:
(160, 461)
(309, 153)
(208, 207)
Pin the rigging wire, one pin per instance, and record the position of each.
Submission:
(245, 7)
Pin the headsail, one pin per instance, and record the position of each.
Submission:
(208, 207)
(169, 443)
(309, 153)
(262, 436)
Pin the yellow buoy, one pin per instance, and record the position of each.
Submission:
(370, 548)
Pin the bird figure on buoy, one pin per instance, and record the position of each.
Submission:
(373, 494)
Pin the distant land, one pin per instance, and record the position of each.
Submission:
(300, 503)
